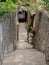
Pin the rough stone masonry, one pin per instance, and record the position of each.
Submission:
(42, 34)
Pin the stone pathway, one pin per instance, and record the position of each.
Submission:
(24, 55)
(22, 32)
(22, 44)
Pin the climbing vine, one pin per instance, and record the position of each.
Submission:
(9, 5)
(46, 3)
(6, 7)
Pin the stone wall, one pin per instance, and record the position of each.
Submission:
(8, 32)
(41, 38)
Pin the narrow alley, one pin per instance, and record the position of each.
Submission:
(22, 43)
(24, 54)
(24, 32)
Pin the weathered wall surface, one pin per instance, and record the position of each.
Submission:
(42, 34)
(8, 32)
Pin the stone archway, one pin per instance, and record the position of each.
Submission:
(22, 16)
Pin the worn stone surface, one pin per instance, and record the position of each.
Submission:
(42, 34)
(25, 57)
(22, 44)
(1, 44)
(8, 32)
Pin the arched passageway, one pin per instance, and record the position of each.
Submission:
(22, 16)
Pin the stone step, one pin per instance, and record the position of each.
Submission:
(23, 45)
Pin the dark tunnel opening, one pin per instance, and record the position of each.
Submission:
(22, 16)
